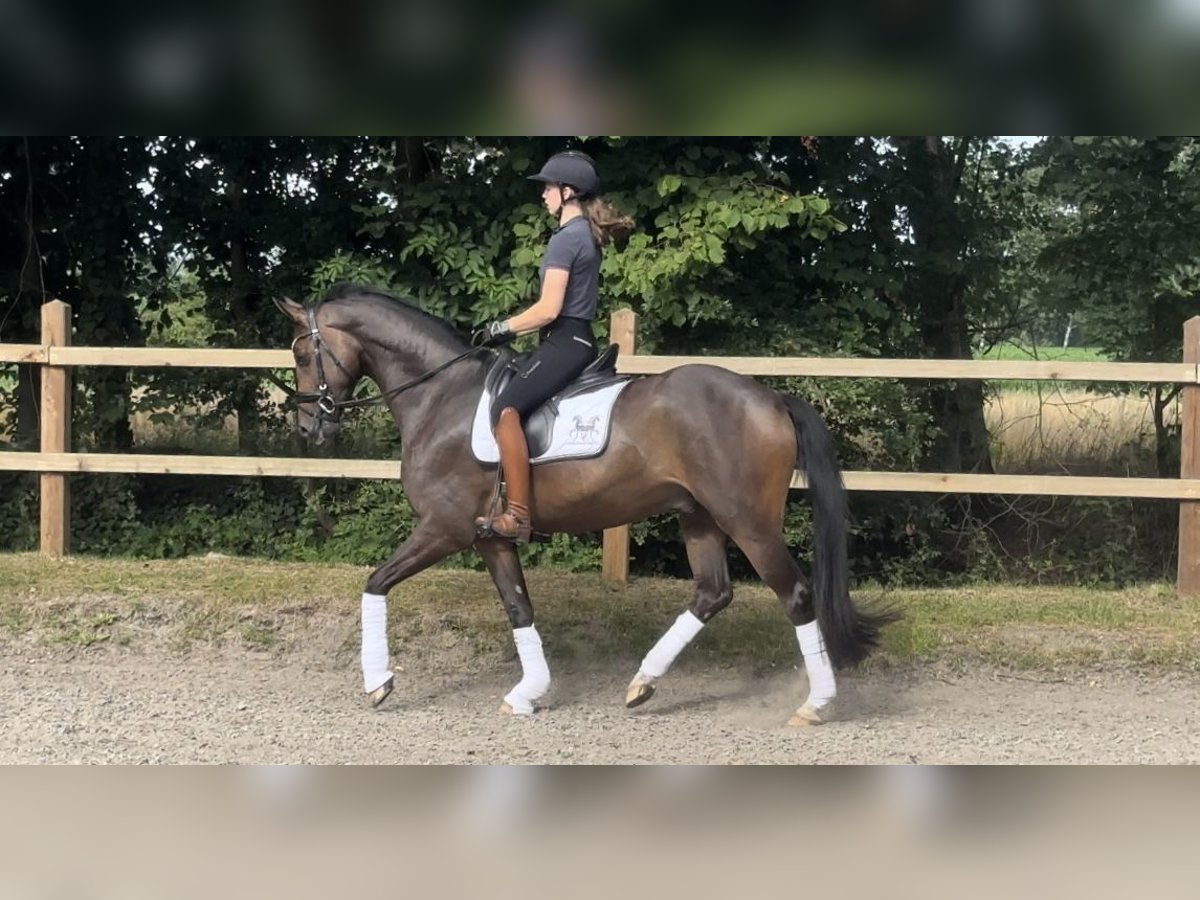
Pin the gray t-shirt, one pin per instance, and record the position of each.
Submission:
(572, 248)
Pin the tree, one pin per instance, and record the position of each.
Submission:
(1126, 246)
(79, 219)
(20, 274)
(250, 218)
(928, 266)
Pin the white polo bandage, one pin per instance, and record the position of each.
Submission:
(670, 645)
(821, 684)
(374, 641)
(535, 674)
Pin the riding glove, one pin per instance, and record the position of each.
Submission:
(492, 335)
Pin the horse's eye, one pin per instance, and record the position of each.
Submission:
(303, 359)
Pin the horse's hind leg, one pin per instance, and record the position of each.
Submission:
(505, 567)
(706, 554)
(771, 558)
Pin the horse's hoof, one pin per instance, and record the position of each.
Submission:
(380, 693)
(640, 690)
(507, 710)
(810, 715)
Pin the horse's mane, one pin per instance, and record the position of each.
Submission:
(353, 292)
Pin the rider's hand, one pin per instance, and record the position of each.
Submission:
(492, 335)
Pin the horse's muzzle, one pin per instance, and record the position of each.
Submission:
(317, 431)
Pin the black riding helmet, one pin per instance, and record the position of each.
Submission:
(572, 168)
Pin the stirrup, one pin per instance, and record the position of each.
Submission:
(495, 508)
(486, 527)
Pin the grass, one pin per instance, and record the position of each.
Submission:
(1026, 353)
(1067, 354)
(444, 618)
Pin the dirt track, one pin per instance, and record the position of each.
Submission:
(155, 705)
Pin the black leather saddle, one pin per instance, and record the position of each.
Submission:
(539, 426)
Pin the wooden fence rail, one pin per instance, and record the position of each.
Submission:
(55, 462)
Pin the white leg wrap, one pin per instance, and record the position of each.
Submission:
(670, 645)
(374, 641)
(535, 674)
(821, 684)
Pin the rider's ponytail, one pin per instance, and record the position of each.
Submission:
(608, 224)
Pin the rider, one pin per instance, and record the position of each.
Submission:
(563, 313)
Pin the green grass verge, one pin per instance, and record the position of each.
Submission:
(1027, 353)
(455, 615)
(1067, 354)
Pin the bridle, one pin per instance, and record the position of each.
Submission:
(330, 408)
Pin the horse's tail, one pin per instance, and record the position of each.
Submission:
(850, 633)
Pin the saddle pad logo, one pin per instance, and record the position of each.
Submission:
(580, 430)
(585, 432)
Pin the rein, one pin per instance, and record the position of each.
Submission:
(323, 397)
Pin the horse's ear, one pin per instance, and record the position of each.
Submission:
(291, 309)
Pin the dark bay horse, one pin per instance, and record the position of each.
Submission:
(715, 447)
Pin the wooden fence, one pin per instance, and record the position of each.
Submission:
(55, 461)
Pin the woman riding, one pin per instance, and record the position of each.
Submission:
(563, 313)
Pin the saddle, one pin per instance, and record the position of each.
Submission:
(539, 426)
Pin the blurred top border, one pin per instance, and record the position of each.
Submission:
(454, 66)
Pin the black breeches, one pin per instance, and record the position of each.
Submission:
(565, 351)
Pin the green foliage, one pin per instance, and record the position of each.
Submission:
(8, 403)
(1077, 540)
(104, 513)
(1123, 247)
(19, 511)
(1126, 238)
(352, 522)
(173, 315)
(579, 553)
(344, 266)
(466, 240)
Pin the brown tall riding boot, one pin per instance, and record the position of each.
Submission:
(513, 523)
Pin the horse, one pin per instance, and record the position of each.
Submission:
(716, 448)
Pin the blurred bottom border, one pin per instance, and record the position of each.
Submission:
(508, 831)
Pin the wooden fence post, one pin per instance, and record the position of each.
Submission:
(615, 561)
(1188, 575)
(56, 432)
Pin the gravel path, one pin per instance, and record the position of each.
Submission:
(153, 705)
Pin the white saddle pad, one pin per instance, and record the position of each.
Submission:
(580, 430)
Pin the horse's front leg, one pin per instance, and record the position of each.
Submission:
(424, 547)
(505, 567)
